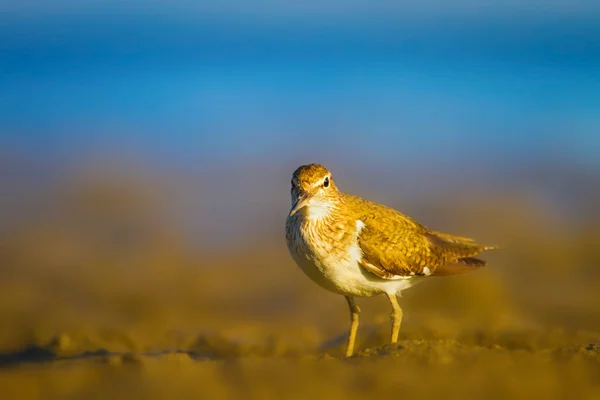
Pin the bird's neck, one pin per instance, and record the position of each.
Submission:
(321, 211)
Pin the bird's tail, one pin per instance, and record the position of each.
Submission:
(460, 266)
(462, 251)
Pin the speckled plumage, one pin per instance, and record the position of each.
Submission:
(355, 247)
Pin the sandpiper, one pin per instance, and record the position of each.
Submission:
(355, 247)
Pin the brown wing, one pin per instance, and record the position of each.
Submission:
(394, 245)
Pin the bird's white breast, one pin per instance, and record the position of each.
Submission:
(330, 255)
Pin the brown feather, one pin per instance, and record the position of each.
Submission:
(460, 266)
(394, 245)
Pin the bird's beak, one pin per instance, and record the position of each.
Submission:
(302, 201)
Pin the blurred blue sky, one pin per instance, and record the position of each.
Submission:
(371, 82)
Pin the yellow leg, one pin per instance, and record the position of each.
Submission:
(396, 317)
(354, 311)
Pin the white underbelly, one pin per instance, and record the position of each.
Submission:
(346, 276)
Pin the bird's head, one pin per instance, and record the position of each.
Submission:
(313, 190)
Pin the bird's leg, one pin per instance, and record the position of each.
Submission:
(354, 311)
(396, 317)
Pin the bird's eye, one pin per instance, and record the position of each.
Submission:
(326, 182)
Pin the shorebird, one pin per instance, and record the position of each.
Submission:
(358, 248)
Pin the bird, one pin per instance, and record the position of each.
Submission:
(358, 248)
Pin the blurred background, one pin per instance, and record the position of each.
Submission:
(146, 149)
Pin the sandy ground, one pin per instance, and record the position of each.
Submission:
(412, 368)
(178, 334)
(85, 315)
